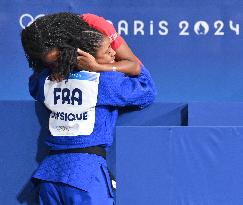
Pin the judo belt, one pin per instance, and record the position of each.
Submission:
(98, 150)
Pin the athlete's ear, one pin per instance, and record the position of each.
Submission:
(51, 56)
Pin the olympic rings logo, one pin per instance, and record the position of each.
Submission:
(27, 19)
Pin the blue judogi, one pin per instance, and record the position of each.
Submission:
(84, 111)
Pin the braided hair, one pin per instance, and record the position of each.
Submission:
(62, 31)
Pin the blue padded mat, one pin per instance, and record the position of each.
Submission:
(179, 165)
(215, 114)
(157, 114)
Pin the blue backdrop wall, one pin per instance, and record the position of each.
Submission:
(194, 52)
(193, 49)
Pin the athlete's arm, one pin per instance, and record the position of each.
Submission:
(125, 62)
(116, 89)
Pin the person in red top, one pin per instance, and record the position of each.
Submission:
(125, 59)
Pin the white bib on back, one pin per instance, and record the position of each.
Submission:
(72, 104)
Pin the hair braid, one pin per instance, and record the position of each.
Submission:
(62, 31)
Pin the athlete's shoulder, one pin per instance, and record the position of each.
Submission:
(104, 27)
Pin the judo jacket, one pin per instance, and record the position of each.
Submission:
(83, 113)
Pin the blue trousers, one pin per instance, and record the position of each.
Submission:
(54, 193)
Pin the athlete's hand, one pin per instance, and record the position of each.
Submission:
(86, 61)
